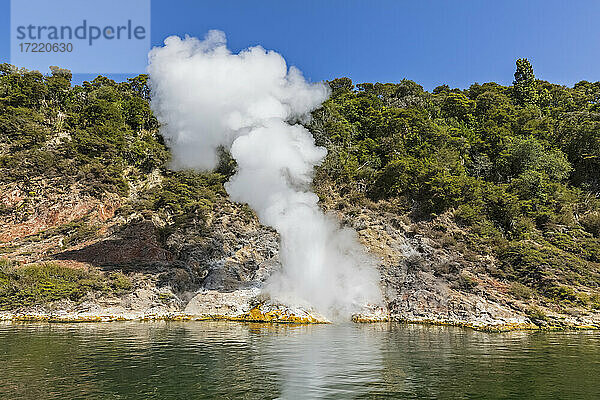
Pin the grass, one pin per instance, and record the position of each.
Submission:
(44, 283)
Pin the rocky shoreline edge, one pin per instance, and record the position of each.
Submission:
(276, 316)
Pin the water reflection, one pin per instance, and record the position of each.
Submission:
(196, 360)
(339, 361)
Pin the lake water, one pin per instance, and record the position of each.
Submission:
(198, 360)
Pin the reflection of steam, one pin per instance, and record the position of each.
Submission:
(334, 361)
(205, 98)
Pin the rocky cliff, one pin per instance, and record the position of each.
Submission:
(482, 211)
(181, 274)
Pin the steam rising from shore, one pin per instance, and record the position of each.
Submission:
(206, 97)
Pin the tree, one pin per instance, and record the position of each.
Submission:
(140, 86)
(59, 84)
(458, 105)
(341, 85)
(525, 90)
(523, 154)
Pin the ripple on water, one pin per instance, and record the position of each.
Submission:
(191, 360)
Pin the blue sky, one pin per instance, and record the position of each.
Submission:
(430, 42)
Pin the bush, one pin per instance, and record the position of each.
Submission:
(591, 223)
(467, 215)
(120, 283)
(520, 291)
(562, 294)
(39, 284)
(537, 315)
(466, 281)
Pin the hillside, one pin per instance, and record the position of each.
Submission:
(482, 204)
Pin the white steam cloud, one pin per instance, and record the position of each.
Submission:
(206, 97)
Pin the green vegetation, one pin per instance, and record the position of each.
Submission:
(517, 167)
(38, 284)
(100, 136)
(93, 134)
(187, 196)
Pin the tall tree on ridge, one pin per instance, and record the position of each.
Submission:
(525, 90)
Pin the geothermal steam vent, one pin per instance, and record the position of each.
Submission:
(206, 97)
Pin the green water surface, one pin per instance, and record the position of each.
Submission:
(220, 360)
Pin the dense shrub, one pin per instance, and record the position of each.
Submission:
(93, 134)
(517, 166)
(32, 284)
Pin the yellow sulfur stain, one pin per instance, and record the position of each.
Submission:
(258, 315)
(275, 315)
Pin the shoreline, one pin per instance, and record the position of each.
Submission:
(278, 318)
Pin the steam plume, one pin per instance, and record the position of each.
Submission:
(206, 97)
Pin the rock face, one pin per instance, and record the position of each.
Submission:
(426, 282)
(219, 274)
(416, 291)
